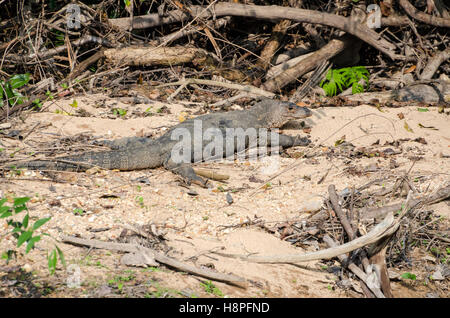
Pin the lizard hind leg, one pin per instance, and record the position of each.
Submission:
(185, 171)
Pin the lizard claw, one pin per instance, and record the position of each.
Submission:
(301, 141)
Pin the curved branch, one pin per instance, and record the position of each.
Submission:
(434, 64)
(423, 17)
(272, 13)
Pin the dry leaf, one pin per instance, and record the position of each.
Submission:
(406, 126)
(400, 115)
(410, 69)
(182, 117)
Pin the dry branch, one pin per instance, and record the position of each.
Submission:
(272, 13)
(149, 56)
(387, 227)
(334, 199)
(81, 41)
(307, 64)
(133, 248)
(354, 268)
(246, 88)
(272, 45)
(443, 193)
(434, 63)
(423, 17)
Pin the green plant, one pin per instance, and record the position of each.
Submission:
(119, 111)
(74, 104)
(24, 232)
(8, 89)
(210, 288)
(78, 211)
(119, 280)
(408, 276)
(140, 201)
(337, 80)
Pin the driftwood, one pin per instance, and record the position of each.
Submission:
(387, 227)
(281, 67)
(133, 248)
(212, 175)
(149, 56)
(273, 13)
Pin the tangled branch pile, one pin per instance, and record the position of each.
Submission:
(261, 49)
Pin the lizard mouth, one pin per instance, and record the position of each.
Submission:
(298, 111)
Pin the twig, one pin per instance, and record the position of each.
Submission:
(245, 88)
(354, 268)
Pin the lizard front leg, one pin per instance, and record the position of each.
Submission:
(186, 171)
(286, 141)
(274, 139)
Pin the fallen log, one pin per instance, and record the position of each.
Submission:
(152, 55)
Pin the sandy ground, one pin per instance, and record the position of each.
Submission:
(195, 225)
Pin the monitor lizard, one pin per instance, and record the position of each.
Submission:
(135, 153)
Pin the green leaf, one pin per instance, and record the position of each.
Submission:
(20, 208)
(52, 259)
(423, 110)
(21, 201)
(40, 222)
(408, 276)
(74, 104)
(3, 209)
(6, 214)
(25, 221)
(61, 256)
(24, 237)
(336, 80)
(31, 242)
(19, 80)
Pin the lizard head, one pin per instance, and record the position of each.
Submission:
(277, 113)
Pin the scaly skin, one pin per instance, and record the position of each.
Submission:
(142, 153)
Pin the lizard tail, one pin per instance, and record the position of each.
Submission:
(142, 158)
(73, 163)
